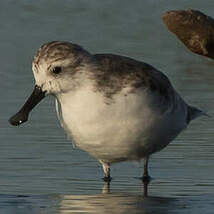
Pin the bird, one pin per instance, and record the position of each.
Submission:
(114, 107)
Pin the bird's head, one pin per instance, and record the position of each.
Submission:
(58, 67)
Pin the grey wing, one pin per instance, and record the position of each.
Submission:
(118, 71)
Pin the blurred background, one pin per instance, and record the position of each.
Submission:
(40, 171)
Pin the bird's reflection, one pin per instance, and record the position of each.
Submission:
(102, 203)
(107, 202)
(106, 188)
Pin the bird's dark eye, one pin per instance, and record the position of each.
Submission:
(57, 70)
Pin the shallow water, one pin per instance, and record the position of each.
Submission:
(41, 172)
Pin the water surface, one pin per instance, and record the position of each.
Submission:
(41, 172)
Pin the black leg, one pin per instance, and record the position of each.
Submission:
(146, 178)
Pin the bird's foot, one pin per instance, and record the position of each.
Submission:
(146, 179)
(107, 179)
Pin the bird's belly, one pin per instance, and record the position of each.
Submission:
(120, 131)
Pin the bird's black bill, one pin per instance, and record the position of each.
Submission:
(22, 115)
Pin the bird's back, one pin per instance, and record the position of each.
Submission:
(117, 72)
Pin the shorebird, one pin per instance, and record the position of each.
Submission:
(114, 107)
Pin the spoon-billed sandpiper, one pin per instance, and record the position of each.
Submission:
(114, 107)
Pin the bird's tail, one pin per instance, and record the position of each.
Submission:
(194, 112)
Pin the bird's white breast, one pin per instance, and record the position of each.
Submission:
(126, 127)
